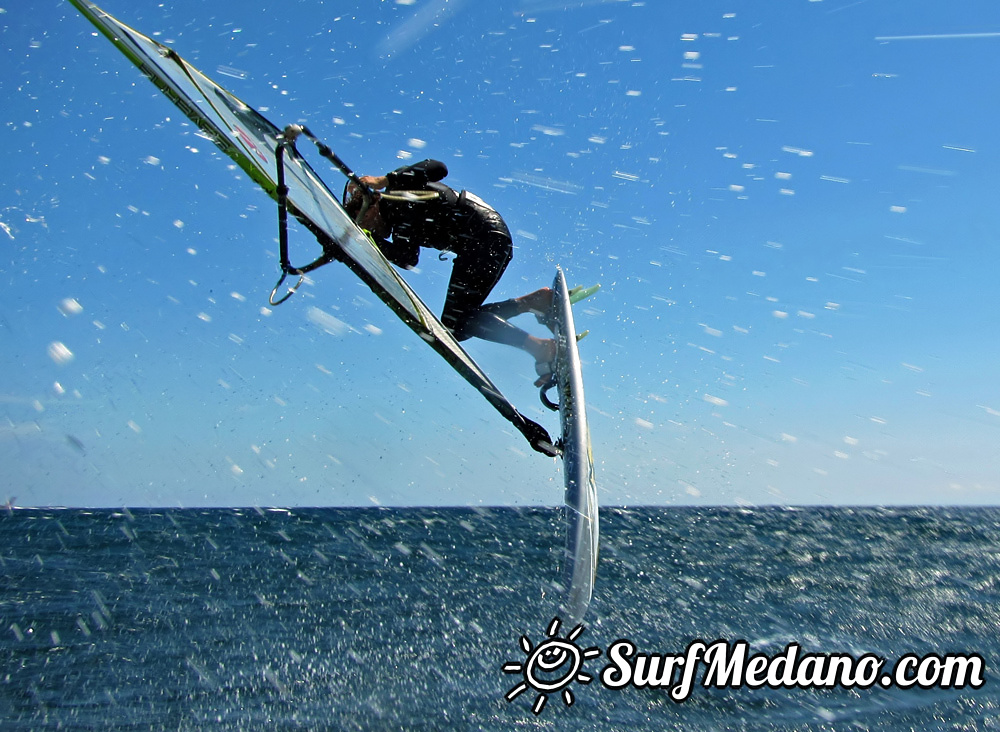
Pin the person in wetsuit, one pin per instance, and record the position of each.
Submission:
(417, 210)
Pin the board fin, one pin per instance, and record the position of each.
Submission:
(580, 292)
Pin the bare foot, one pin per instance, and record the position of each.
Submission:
(544, 351)
(538, 302)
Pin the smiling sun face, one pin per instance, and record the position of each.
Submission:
(551, 666)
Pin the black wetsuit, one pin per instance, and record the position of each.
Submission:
(457, 222)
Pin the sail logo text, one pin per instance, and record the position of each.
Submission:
(724, 664)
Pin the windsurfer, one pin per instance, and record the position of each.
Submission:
(417, 210)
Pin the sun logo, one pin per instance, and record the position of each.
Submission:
(551, 666)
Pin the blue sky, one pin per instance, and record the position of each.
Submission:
(791, 207)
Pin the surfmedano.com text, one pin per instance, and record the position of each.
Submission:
(724, 664)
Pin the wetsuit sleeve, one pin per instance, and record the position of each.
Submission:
(401, 254)
(418, 175)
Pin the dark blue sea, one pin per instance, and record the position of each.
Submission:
(403, 619)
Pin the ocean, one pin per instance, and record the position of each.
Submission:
(412, 619)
